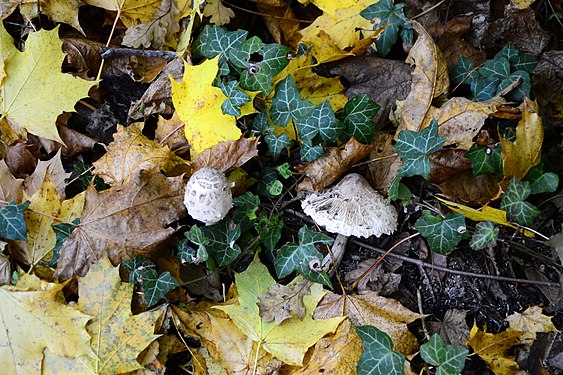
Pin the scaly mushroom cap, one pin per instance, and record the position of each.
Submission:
(352, 208)
(208, 195)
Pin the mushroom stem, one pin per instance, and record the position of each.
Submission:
(329, 264)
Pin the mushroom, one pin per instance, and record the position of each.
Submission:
(350, 208)
(208, 195)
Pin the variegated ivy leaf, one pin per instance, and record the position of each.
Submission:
(222, 241)
(137, 265)
(277, 143)
(241, 56)
(448, 359)
(287, 103)
(235, 98)
(463, 71)
(513, 203)
(12, 222)
(186, 253)
(414, 148)
(441, 233)
(485, 159)
(156, 286)
(357, 118)
(485, 234)
(320, 120)
(378, 356)
(484, 88)
(520, 91)
(215, 40)
(259, 74)
(311, 152)
(495, 68)
(303, 257)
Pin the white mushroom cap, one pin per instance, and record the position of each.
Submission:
(208, 195)
(351, 208)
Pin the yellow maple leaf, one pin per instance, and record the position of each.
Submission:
(288, 341)
(64, 11)
(131, 12)
(531, 320)
(198, 104)
(33, 320)
(117, 336)
(35, 90)
(7, 50)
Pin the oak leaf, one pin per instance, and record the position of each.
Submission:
(220, 14)
(33, 76)
(63, 11)
(123, 221)
(284, 301)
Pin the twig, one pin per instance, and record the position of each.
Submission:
(108, 52)
(428, 10)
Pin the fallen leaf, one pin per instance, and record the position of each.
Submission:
(525, 152)
(226, 156)
(52, 168)
(33, 320)
(5, 267)
(82, 56)
(384, 162)
(283, 27)
(289, 341)
(531, 320)
(160, 30)
(117, 336)
(198, 104)
(284, 301)
(123, 221)
(21, 158)
(7, 50)
(131, 12)
(220, 14)
(330, 167)
(368, 308)
(453, 328)
(11, 188)
(63, 11)
(32, 78)
(131, 152)
(171, 133)
(522, 4)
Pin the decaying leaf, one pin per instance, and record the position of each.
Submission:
(453, 328)
(158, 31)
(385, 163)
(284, 301)
(220, 14)
(64, 11)
(10, 187)
(531, 320)
(226, 156)
(5, 267)
(52, 168)
(330, 167)
(122, 221)
(171, 133)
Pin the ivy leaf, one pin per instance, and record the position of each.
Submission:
(485, 159)
(485, 234)
(287, 103)
(277, 143)
(258, 75)
(484, 88)
(270, 231)
(520, 91)
(12, 222)
(463, 72)
(303, 257)
(388, 14)
(509, 52)
(62, 231)
(499, 68)
(512, 202)
(449, 359)
(541, 182)
(187, 254)
(245, 212)
(517, 59)
(378, 357)
(222, 241)
(311, 152)
(414, 147)
(359, 111)
(215, 40)
(441, 233)
(235, 98)
(156, 286)
(137, 265)
(241, 56)
(321, 121)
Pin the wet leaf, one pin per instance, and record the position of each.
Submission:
(448, 359)
(378, 356)
(485, 234)
(441, 233)
(513, 203)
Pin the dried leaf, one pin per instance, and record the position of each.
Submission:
(171, 133)
(21, 158)
(385, 163)
(220, 14)
(5, 267)
(52, 168)
(453, 328)
(123, 221)
(284, 301)
(284, 28)
(11, 188)
(226, 156)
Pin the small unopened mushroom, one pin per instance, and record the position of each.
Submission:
(208, 195)
(350, 208)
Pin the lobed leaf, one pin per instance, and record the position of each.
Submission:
(513, 203)
(441, 233)
(378, 357)
(12, 221)
(449, 359)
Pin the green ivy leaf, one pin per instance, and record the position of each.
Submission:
(85, 176)
(517, 59)
(270, 231)
(235, 98)
(284, 170)
(541, 182)
(277, 143)
(240, 56)
(484, 88)
(414, 147)
(485, 159)
(463, 72)
(499, 68)
(215, 40)
(320, 120)
(388, 14)
(156, 286)
(12, 222)
(258, 75)
(246, 206)
(520, 91)
(357, 119)
(311, 152)
(378, 357)
(512, 202)
(485, 234)
(441, 233)
(62, 231)
(303, 257)
(287, 103)
(222, 241)
(449, 359)
(186, 253)
(137, 265)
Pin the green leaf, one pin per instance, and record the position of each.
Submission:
(378, 357)
(156, 286)
(241, 55)
(520, 91)
(222, 241)
(62, 231)
(12, 222)
(359, 112)
(215, 40)
(517, 59)
(388, 14)
(484, 88)
(441, 233)
(303, 257)
(541, 182)
(277, 143)
(414, 147)
(485, 234)
(320, 120)
(275, 188)
(496, 68)
(287, 103)
(246, 206)
(284, 170)
(85, 176)
(450, 359)
(270, 231)
(137, 265)
(509, 52)
(512, 202)
(235, 98)
(186, 253)
(485, 159)
(463, 72)
(258, 75)
(310, 152)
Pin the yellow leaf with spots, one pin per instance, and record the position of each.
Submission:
(198, 104)
(35, 91)
(531, 320)
(117, 336)
(33, 320)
